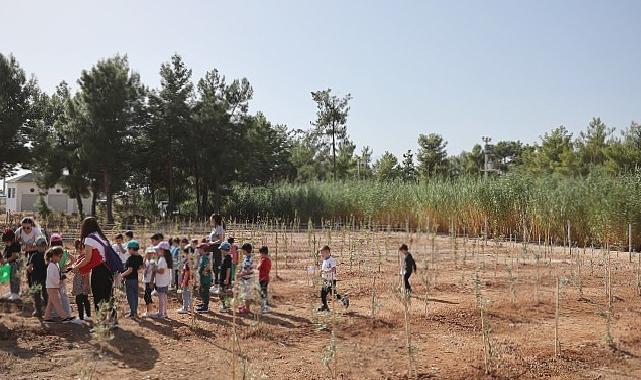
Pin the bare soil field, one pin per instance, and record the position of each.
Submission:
(516, 291)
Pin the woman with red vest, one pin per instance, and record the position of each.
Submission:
(93, 260)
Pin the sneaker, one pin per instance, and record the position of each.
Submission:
(182, 311)
(215, 290)
(323, 308)
(6, 296)
(87, 319)
(224, 309)
(202, 310)
(179, 291)
(265, 310)
(68, 319)
(345, 301)
(147, 315)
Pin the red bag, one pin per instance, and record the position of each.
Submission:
(96, 260)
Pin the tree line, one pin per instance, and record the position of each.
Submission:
(190, 142)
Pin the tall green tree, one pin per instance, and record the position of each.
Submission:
(508, 154)
(432, 157)
(56, 144)
(386, 167)
(17, 114)
(304, 157)
(265, 152)
(220, 121)
(171, 116)
(111, 95)
(554, 154)
(471, 163)
(364, 163)
(331, 120)
(592, 145)
(624, 153)
(408, 169)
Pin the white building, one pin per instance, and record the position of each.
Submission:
(23, 194)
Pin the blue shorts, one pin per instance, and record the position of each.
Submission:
(162, 289)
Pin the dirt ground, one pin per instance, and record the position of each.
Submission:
(517, 294)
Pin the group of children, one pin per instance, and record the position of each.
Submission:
(180, 265)
(213, 268)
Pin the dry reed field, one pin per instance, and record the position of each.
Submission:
(481, 308)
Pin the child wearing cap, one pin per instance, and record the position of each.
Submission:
(205, 279)
(328, 274)
(148, 279)
(80, 288)
(246, 278)
(409, 267)
(130, 276)
(37, 275)
(225, 275)
(264, 267)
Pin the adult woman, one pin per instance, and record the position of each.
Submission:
(93, 259)
(11, 253)
(216, 238)
(27, 234)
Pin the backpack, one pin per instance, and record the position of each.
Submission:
(112, 260)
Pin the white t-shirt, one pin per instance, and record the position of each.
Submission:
(121, 251)
(328, 264)
(93, 243)
(217, 234)
(28, 238)
(163, 279)
(53, 276)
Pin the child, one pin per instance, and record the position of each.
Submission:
(234, 257)
(53, 256)
(130, 276)
(163, 276)
(205, 279)
(175, 256)
(264, 266)
(129, 235)
(121, 248)
(246, 279)
(409, 267)
(65, 260)
(80, 288)
(328, 273)
(37, 275)
(225, 275)
(185, 282)
(11, 254)
(148, 279)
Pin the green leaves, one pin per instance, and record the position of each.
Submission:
(17, 114)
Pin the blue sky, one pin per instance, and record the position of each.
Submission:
(508, 69)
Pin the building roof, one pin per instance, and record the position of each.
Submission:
(27, 177)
